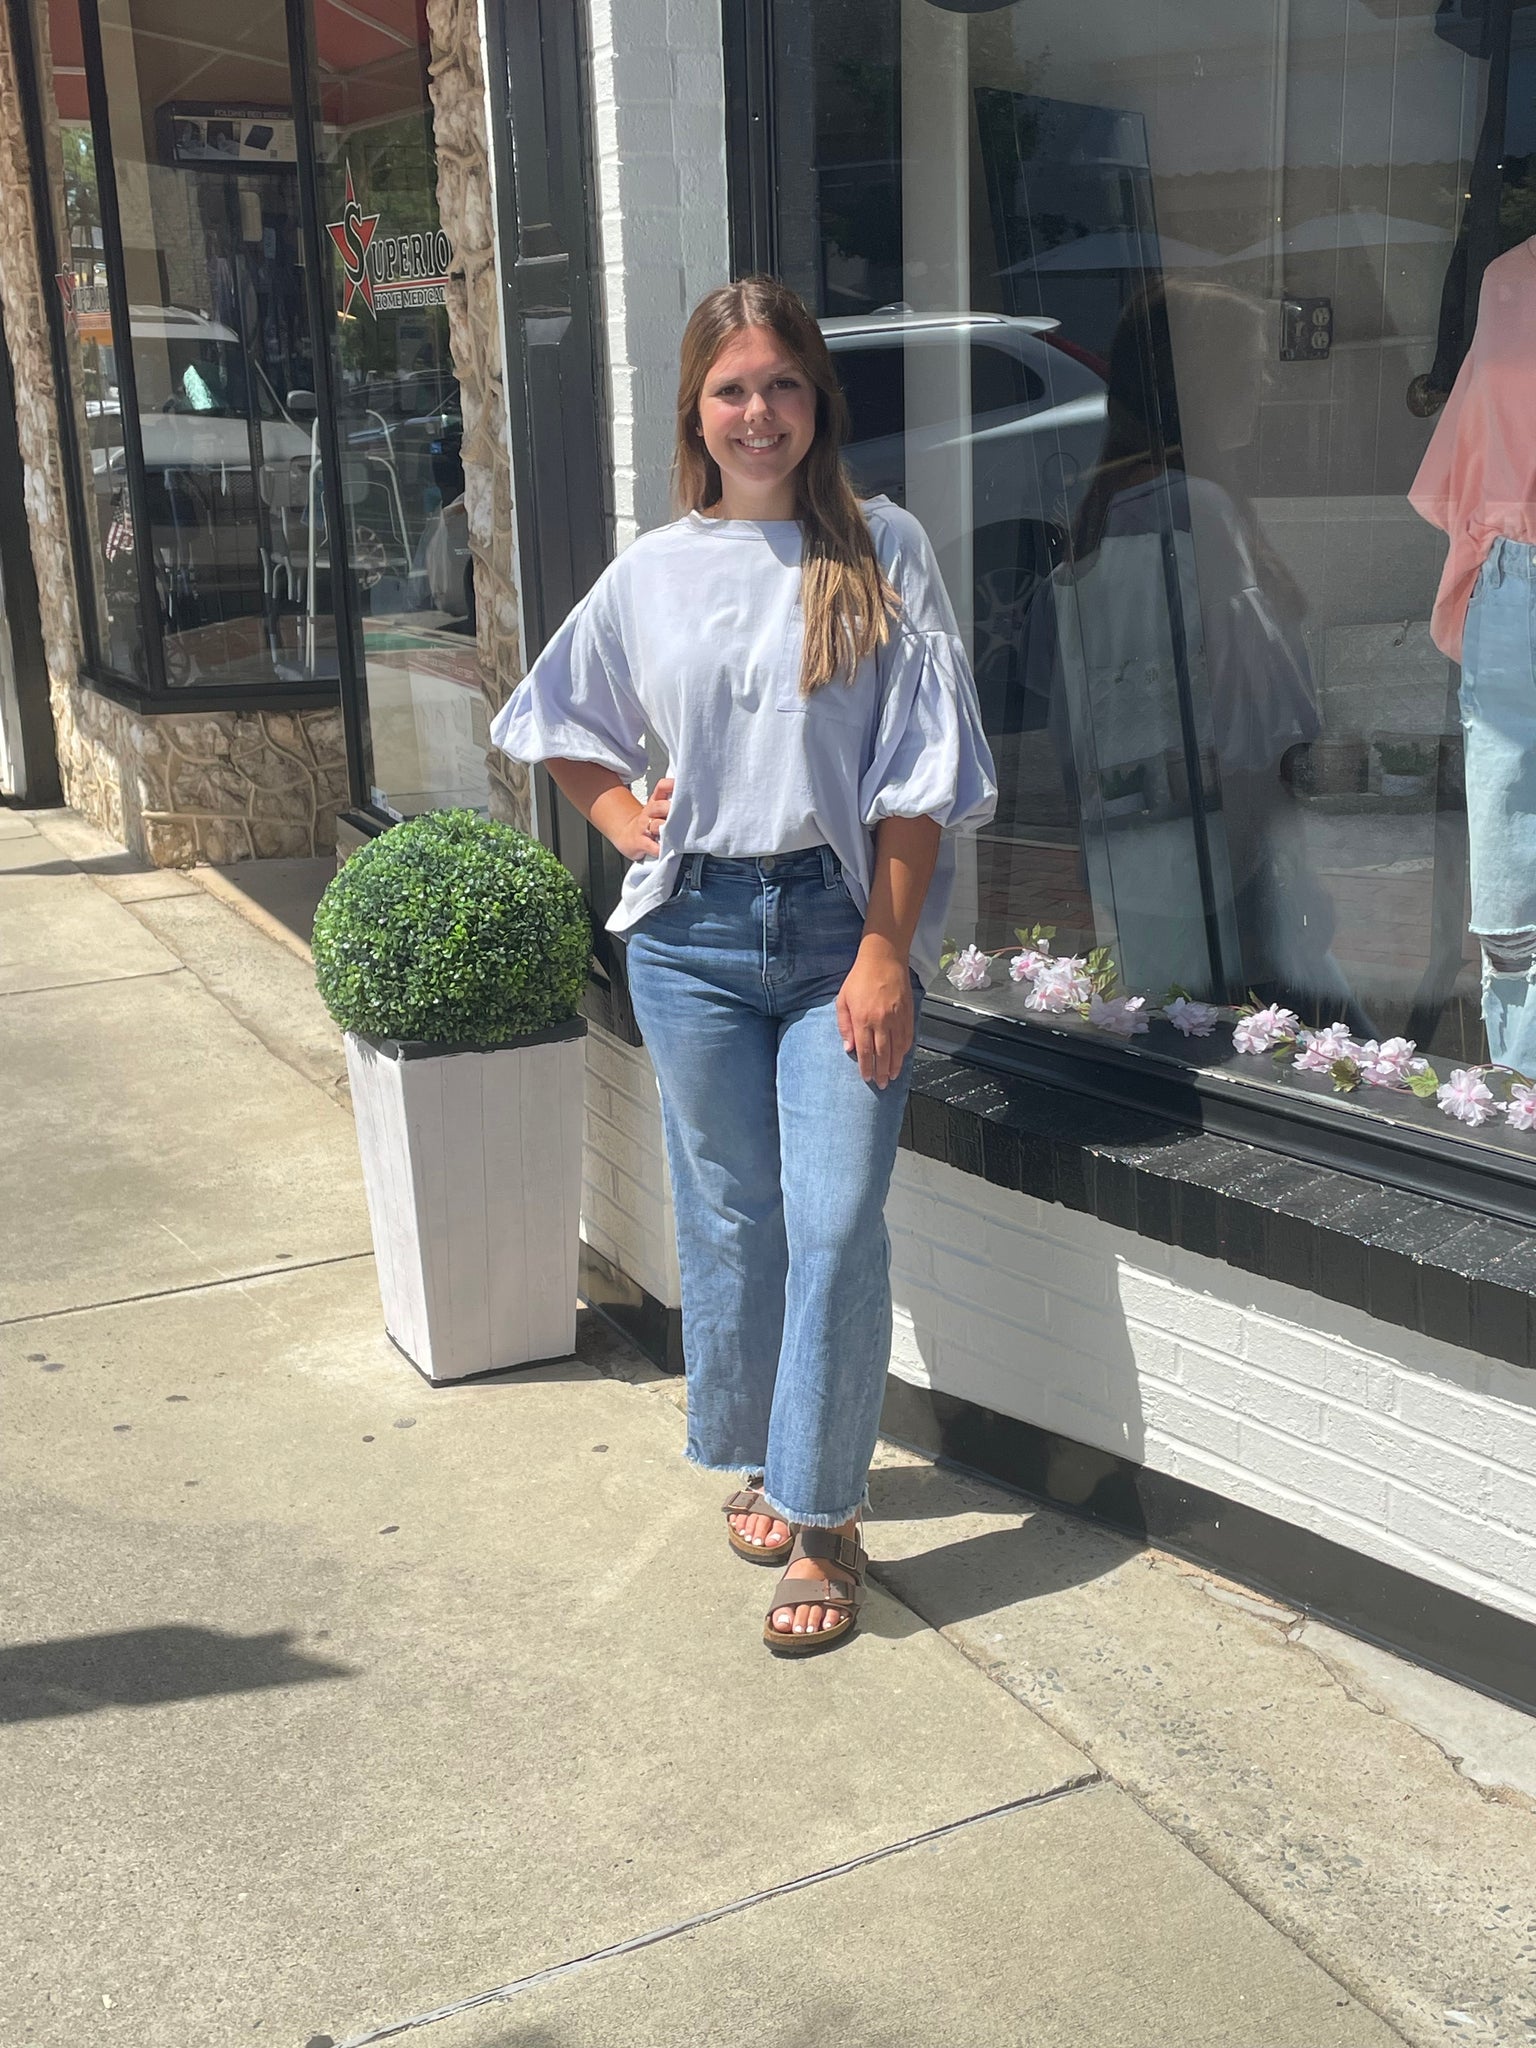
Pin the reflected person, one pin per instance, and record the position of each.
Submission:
(1175, 613)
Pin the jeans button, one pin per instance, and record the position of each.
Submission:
(767, 863)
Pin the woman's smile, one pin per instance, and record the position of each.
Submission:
(757, 416)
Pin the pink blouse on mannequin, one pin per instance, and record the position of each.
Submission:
(1478, 476)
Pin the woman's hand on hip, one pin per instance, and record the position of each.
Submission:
(874, 1011)
(606, 800)
(638, 837)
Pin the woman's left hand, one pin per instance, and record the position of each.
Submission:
(874, 1011)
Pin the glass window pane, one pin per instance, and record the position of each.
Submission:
(202, 140)
(1150, 313)
(399, 414)
(109, 575)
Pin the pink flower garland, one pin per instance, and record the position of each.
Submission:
(1086, 987)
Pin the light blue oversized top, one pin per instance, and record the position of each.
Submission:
(694, 636)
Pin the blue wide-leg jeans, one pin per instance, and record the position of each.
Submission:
(780, 1157)
(1498, 717)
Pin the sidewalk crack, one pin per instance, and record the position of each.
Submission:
(83, 1308)
(501, 1994)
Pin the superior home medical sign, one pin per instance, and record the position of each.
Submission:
(387, 272)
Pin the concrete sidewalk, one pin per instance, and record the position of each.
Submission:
(339, 1707)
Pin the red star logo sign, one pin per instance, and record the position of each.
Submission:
(352, 234)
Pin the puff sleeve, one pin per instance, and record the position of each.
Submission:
(577, 702)
(931, 757)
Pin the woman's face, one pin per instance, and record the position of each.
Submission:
(757, 413)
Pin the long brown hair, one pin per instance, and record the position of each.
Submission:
(847, 602)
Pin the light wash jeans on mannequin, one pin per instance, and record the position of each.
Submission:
(781, 1158)
(1498, 716)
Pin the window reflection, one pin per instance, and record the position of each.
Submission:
(199, 363)
(1149, 315)
(109, 573)
(399, 413)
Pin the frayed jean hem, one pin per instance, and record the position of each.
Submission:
(733, 1465)
(802, 1521)
(753, 1475)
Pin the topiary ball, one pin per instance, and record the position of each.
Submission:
(454, 929)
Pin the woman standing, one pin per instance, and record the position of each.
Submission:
(795, 654)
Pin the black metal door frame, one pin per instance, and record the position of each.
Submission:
(29, 93)
(542, 157)
(28, 713)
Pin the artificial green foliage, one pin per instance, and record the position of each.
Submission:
(454, 929)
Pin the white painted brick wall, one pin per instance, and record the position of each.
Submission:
(1407, 1449)
(626, 1202)
(659, 120)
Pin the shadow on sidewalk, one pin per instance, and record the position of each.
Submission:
(141, 1667)
(1045, 1552)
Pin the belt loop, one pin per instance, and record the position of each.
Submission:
(828, 867)
(694, 864)
(1496, 561)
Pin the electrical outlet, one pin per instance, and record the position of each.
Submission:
(1306, 330)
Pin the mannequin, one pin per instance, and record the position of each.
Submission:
(1477, 483)
(1502, 35)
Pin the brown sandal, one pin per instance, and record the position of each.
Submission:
(750, 1502)
(845, 1591)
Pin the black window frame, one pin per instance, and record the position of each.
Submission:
(542, 159)
(1286, 1119)
(152, 693)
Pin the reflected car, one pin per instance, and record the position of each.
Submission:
(204, 409)
(990, 426)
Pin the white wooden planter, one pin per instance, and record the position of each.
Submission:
(472, 1168)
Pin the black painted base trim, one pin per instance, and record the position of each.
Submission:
(1412, 1260)
(652, 1327)
(1445, 1631)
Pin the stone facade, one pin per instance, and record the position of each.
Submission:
(466, 208)
(233, 785)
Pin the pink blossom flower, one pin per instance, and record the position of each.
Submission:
(1120, 1014)
(1026, 965)
(1060, 985)
(970, 968)
(1195, 1020)
(1265, 1028)
(1521, 1108)
(1320, 1049)
(1467, 1097)
(1389, 1064)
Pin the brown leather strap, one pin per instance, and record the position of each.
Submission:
(826, 1546)
(815, 1593)
(748, 1502)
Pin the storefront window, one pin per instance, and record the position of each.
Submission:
(214, 457)
(109, 572)
(201, 133)
(1150, 313)
(398, 412)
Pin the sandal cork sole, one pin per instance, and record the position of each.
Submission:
(808, 1645)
